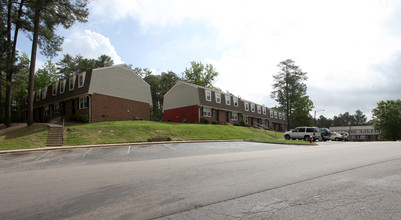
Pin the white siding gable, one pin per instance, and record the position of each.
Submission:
(181, 95)
(120, 81)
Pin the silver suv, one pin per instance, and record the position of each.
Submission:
(304, 133)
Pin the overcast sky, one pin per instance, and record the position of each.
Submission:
(351, 49)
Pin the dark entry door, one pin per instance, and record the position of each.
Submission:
(73, 106)
(217, 115)
(226, 116)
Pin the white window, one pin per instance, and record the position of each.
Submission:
(271, 114)
(246, 119)
(54, 89)
(283, 116)
(38, 93)
(279, 115)
(83, 103)
(362, 137)
(275, 114)
(72, 82)
(57, 108)
(252, 107)
(228, 100)
(62, 85)
(208, 95)
(218, 97)
(235, 100)
(259, 109)
(234, 116)
(44, 93)
(246, 106)
(47, 110)
(207, 112)
(264, 110)
(81, 80)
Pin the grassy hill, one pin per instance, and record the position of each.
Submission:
(132, 131)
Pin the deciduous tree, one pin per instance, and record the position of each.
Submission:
(199, 74)
(387, 119)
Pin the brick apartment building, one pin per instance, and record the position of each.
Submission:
(109, 93)
(359, 133)
(186, 102)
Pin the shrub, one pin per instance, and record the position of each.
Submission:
(79, 118)
(214, 122)
(242, 123)
(203, 120)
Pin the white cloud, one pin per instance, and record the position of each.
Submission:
(338, 42)
(90, 44)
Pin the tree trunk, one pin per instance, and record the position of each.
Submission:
(32, 66)
(11, 62)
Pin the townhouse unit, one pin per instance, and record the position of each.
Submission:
(359, 133)
(186, 102)
(109, 93)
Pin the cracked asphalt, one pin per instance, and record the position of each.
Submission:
(238, 180)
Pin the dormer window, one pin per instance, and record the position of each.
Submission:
(246, 104)
(275, 114)
(72, 82)
(208, 95)
(271, 114)
(235, 100)
(81, 80)
(62, 85)
(264, 110)
(54, 89)
(218, 97)
(44, 93)
(228, 100)
(283, 116)
(252, 107)
(279, 115)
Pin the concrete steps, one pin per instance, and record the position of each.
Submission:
(55, 137)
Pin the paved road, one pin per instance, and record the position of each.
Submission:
(205, 181)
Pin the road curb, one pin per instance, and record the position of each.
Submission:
(112, 145)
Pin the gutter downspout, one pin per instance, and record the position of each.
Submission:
(90, 108)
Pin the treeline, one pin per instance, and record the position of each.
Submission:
(344, 119)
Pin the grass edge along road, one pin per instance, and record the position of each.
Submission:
(111, 132)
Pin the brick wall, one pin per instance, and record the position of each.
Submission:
(108, 108)
(186, 114)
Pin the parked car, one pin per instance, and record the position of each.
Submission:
(336, 136)
(325, 133)
(303, 133)
(345, 136)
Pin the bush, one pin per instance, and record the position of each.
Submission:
(79, 118)
(203, 120)
(243, 123)
(214, 122)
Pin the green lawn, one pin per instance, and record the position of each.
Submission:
(110, 132)
(34, 136)
(136, 131)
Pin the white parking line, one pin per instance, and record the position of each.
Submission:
(42, 155)
(129, 149)
(87, 152)
(170, 147)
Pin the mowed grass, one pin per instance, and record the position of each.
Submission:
(34, 136)
(138, 131)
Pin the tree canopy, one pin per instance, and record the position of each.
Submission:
(69, 65)
(159, 86)
(387, 119)
(289, 91)
(200, 74)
